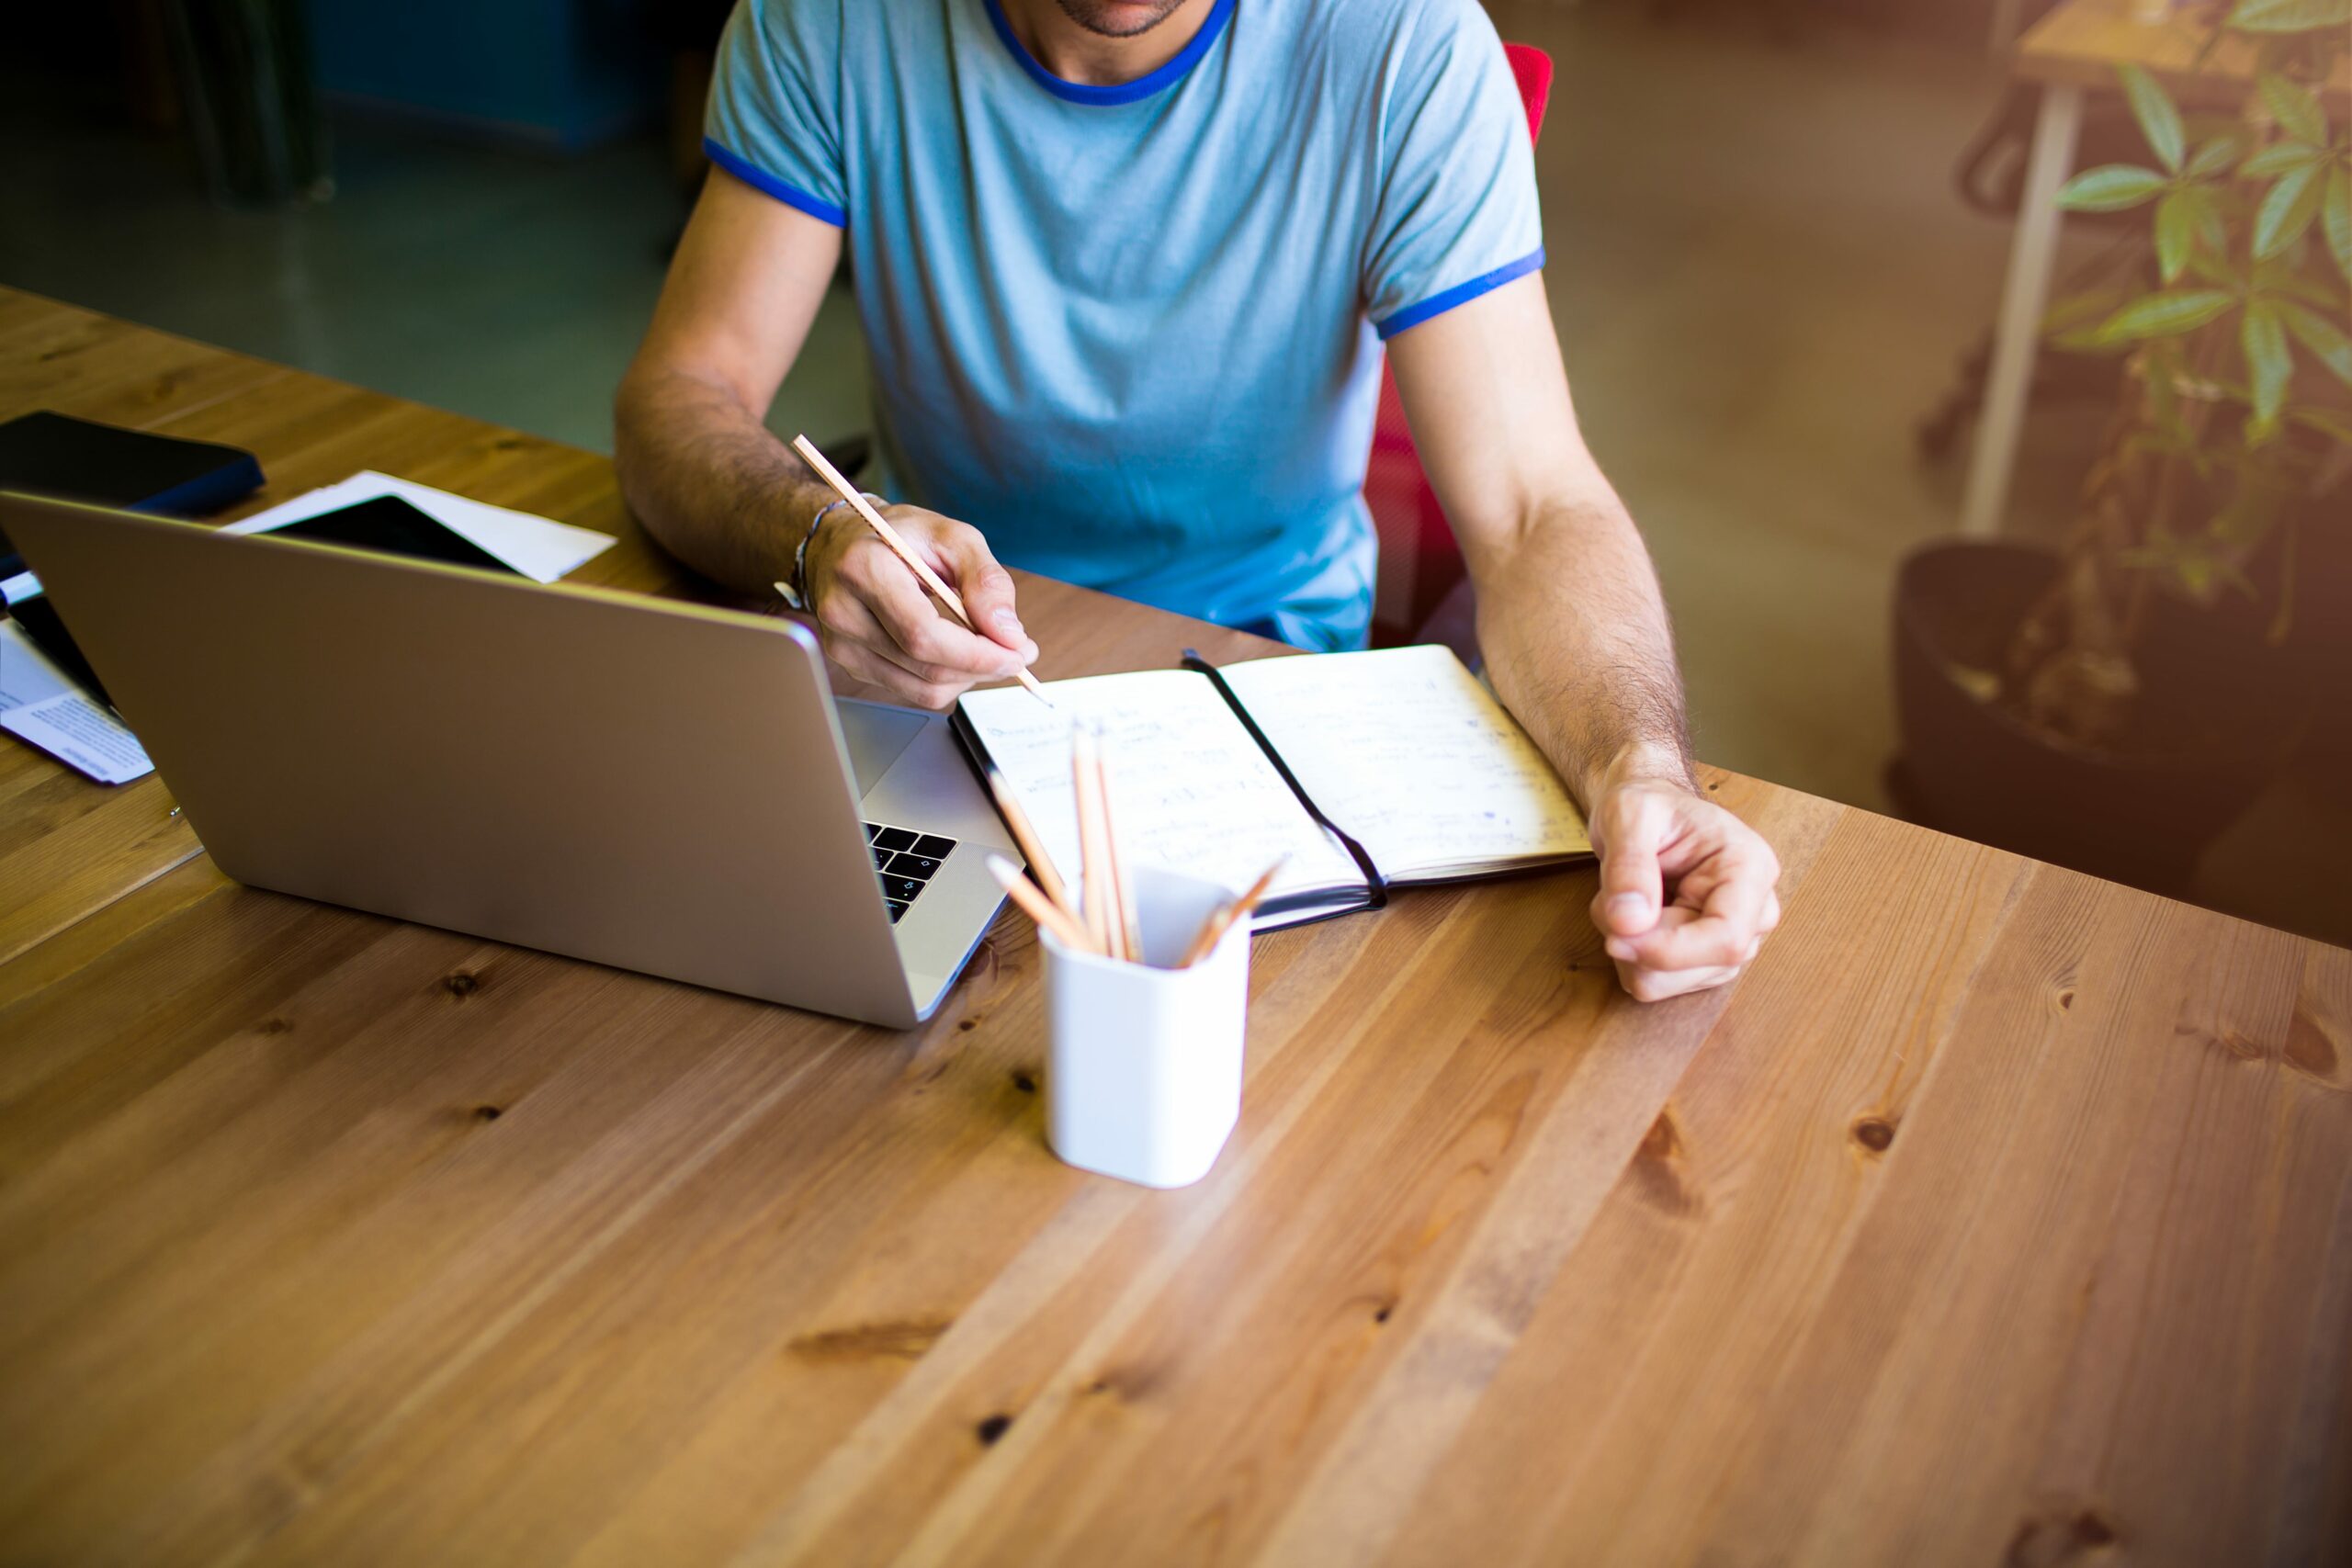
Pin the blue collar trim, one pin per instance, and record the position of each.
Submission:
(1125, 92)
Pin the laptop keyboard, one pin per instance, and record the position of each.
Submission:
(905, 861)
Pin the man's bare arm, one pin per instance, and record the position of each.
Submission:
(1569, 615)
(1577, 639)
(696, 462)
(703, 473)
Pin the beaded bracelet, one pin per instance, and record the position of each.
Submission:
(795, 592)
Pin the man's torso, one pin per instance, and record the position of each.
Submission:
(1125, 333)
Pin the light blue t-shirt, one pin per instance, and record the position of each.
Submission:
(1133, 333)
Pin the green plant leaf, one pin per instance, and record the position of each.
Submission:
(2176, 233)
(2212, 232)
(2111, 187)
(2073, 309)
(2335, 217)
(2215, 268)
(2251, 514)
(2163, 315)
(2212, 158)
(2316, 333)
(2087, 341)
(2269, 361)
(2190, 563)
(2287, 211)
(2279, 158)
(2327, 422)
(2292, 105)
(2069, 323)
(2160, 372)
(2159, 121)
(2290, 16)
(2279, 275)
(2202, 208)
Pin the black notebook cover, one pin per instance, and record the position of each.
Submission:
(77, 459)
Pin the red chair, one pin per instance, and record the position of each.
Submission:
(1419, 561)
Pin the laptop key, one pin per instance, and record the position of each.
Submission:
(872, 828)
(895, 839)
(931, 846)
(901, 888)
(896, 909)
(882, 857)
(912, 865)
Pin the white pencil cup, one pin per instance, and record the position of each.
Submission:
(1143, 1069)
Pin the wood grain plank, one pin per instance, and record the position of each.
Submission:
(925, 1140)
(1715, 1237)
(88, 939)
(2062, 1024)
(2220, 1263)
(69, 846)
(345, 1076)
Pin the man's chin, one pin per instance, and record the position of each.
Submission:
(1119, 18)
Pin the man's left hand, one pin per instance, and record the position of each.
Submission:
(1686, 887)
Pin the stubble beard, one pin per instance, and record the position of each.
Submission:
(1095, 17)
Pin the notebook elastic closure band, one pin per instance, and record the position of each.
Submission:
(1376, 884)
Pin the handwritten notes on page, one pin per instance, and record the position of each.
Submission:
(1405, 750)
(1402, 748)
(1191, 791)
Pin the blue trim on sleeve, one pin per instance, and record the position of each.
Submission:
(1462, 294)
(1125, 92)
(791, 194)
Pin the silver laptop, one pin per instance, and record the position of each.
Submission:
(633, 781)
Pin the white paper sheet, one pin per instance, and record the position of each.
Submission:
(40, 705)
(538, 549)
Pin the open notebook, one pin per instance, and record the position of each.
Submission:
(1420, 771)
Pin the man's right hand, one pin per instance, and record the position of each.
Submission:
(878, 622)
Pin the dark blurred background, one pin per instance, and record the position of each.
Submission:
(1767, 279)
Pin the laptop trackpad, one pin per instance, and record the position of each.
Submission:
(877, 735)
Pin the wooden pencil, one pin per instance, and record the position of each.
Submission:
(900, 548)
(1040, 908)
(1033, 849)
(1094, 853)
(1123, 887)
(1221, 918)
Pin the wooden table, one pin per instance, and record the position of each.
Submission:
(2076, 47)
(1999, 1215)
